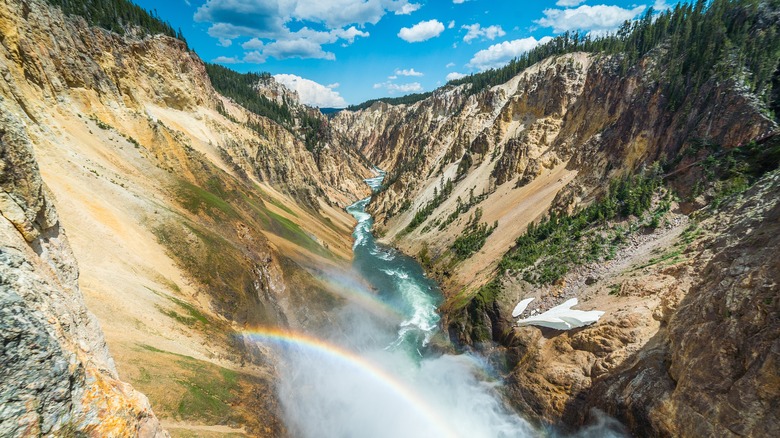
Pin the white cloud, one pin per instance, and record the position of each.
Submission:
(457, 2)
(297, 48)
(272, 15)
(449, 64)
(501, 53)
(569, 3)
(333, 86)
(392, 77)
(661, 5)
(312, 93)
(226, 60)
(451, 24)
(267, 22)
(253, 44)
(393, 88)
(455, 75)
(254, 57)
(349, 34)
(305, 44)
(408, 72)
(475, 31)
(421, 31)
(599, 18)
(408, 8)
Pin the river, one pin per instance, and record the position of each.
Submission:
(370, 376)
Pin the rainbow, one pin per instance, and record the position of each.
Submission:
(359, 364)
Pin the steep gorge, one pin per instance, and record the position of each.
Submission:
(469, 172)
(193, 220)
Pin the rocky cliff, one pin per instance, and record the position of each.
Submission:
(556, 133)
(58, 376)
(190, 218)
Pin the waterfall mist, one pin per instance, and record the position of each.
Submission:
(367, 374)
(380, 391)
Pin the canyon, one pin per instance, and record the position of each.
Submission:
(152, 226)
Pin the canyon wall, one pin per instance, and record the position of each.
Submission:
(552, 140)
(191, 220)
(58, 376)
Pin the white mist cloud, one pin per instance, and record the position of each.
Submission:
(385, 393)
(312, 93)
(501, 53)
(421, 31)
(569, 3)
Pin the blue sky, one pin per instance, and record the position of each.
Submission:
(337, 52)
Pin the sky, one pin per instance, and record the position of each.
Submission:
(340, 52)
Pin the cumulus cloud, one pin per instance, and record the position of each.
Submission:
(569, 3)
(501, 53)
(421, 31)
(348, 34)
(408, 72)
(455, 75)
(297, 48)
(393, 88)
(226, 60)
(449, 64)
(475, 31)
(312, 93)
(598, 19)
(253, 44)
(268, 22)
(451, 24)
(305, 44)
(271, 15)
(408, 8)
(254, 57)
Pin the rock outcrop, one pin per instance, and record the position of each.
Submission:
(712, 368)
(57, 375)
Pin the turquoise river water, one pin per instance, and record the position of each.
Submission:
(370, 376)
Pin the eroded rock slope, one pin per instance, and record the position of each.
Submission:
(191, 220)
(58, 376)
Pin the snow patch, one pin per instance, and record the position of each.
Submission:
(560, 317)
